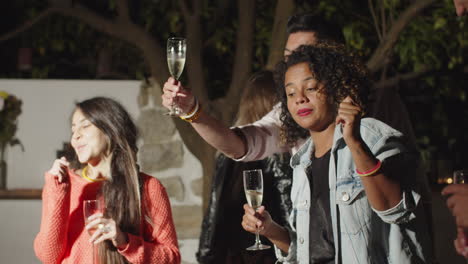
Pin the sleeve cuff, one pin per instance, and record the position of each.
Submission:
(403, 212)
(132, 245)
(52, 184)
(242, 135)
(290, 256)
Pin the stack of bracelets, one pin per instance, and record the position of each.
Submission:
(194, 113)
(370, 172)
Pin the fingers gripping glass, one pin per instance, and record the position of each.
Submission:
(176, 50)
(91, 207)
(253, 188)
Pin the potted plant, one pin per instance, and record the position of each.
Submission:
(10, 109)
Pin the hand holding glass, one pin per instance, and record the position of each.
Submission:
(176, 50)
(253, 187)
(91, 207)
(461, 177)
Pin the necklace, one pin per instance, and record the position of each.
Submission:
(84, 174)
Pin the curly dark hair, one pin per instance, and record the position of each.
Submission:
(342, 73)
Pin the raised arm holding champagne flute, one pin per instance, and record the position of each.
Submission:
(176, 53)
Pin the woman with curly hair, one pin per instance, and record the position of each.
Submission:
(354, 194)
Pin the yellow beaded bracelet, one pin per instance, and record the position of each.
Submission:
(192, 111)
(194, 116)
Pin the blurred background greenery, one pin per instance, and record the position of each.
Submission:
(419, 47)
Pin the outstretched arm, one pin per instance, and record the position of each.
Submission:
(210, 129)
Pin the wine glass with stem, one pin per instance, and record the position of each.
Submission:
(253, 188)
(176, 52)
(91, 207)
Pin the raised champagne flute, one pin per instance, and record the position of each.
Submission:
(253, 188)
(176, 50)
(91, 207)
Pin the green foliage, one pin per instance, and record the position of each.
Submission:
(355, 38)
(435, 40)
(431, 39)
(67, 48)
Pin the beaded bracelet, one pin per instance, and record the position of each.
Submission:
(194, 116)
(371, 171)
(192, 111)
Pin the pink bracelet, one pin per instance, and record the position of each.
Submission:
(371, 171)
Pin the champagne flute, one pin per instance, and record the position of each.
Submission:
(253, 188)
(461, 177)
(91, 207)
(176, 50)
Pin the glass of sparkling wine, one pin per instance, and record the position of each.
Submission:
(461, 177)
(91, 207)
(176, 50)
(253, 188)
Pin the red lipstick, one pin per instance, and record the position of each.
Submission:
(304, 111)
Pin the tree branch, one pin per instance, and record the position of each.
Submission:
(28, 24)
(379, 58)
(221, 15)
(374, 17)
(196, 79)
(383, 18)
(401, 77)
(184, 8)
(153, 53)
(242, 67)
(197, 7)
(284, 10)
(219, 21)
(194, 62)
(96, 21)
(122, 10)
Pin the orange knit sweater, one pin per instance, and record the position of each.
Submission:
(63, 239)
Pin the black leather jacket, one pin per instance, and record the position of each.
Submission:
(222, 235)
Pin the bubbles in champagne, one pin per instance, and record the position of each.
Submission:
(176, 65)
(254, 198)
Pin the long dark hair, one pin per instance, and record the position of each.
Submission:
(258, 98)
(342, 73)
(122, 193)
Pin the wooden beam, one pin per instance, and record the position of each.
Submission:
(23, 194)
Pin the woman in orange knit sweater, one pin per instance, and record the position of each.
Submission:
(136, 225)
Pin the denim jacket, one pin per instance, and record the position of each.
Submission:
(361, 233)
